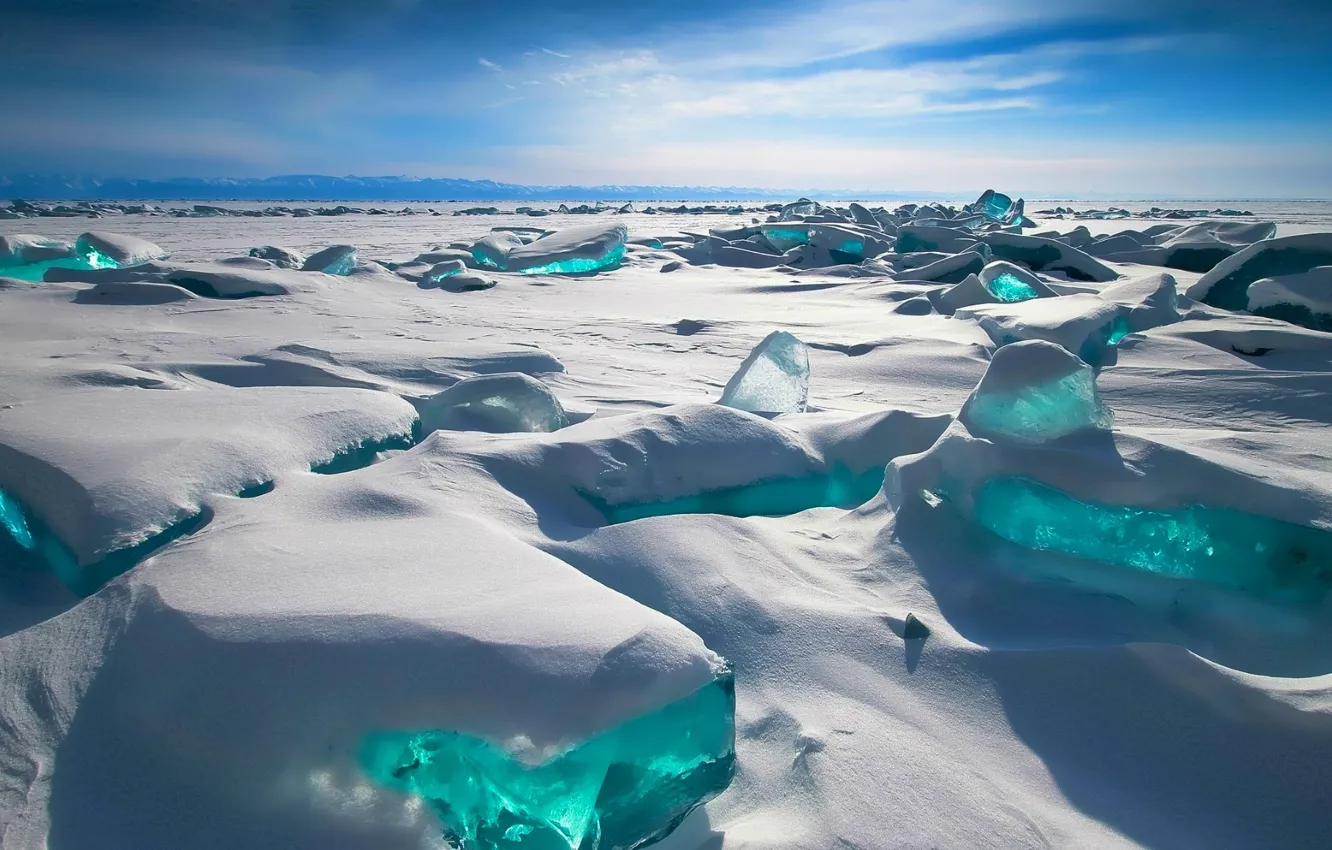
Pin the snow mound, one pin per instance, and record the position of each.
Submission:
(134, 292)
(500, 404)
(283, 258)
(1151, 300)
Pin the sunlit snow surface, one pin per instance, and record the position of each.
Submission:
(379, 561)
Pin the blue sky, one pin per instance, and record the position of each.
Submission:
(1130, 98)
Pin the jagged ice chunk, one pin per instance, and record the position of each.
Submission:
(773, 379)
(1035, 391)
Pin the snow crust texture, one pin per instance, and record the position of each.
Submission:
(864, 527)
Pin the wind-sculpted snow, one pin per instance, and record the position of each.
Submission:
(384, 560)
(157, 456)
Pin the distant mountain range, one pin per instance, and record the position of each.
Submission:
(314, 187)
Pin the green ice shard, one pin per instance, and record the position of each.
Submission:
(625, 788)
(1040, 412)
(1118, 330)
(14, 522)
(581, 265)
(1009, 288)
(1255, 554)
(786, 238)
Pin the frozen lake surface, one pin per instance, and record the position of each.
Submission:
(1002, 542)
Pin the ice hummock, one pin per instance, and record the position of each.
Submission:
(1035, 391)
(1085, 324)
(773, 379)
(22, 249)
(337, 260)
(1227, 284)
(573, 250)
(1301, 299)
(102, 250)
(283, 258)
(625, 788)
(1010, 283)
(500, 404)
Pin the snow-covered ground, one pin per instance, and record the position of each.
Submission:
(292, 599)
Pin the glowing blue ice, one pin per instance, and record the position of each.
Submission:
(1251, 553)
(786, 238)
(1010, 288)
(14, 522)
(624, 789)
(1118, 330)
(1034, 391)
(581, 265)
(335, 260)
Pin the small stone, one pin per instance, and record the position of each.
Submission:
(914, 629)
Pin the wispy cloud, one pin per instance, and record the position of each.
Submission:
(488, 65)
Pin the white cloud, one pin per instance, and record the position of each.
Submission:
(488, 65)
(1137, 169)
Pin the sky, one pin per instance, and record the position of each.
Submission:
(1128, 99)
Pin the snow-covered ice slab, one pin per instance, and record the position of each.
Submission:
(309, 627)
(238, 277)
(1301, 299)
(101, 250)
(1040, 254)
(1087, 325)
(335, 260)
(1227, 284)
(573, 250)
(108, 470)
(1011, 283)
